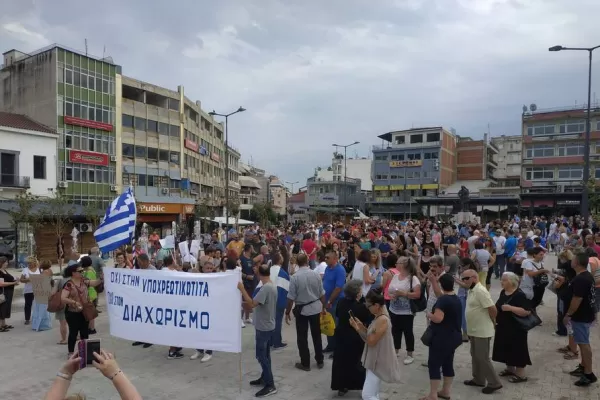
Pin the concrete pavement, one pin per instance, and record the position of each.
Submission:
(29, 361)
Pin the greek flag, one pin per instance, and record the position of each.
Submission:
(118, 226)
(282, 280)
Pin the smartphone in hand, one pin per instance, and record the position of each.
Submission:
(86, 349)
(351, 314)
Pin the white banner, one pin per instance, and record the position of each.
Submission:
(197, 311)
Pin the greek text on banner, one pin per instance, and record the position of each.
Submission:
(198, 311)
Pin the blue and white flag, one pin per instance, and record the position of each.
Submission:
(282, 280)
(118, 226)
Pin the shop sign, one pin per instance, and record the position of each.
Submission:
(159, 208)
(379, 187)
(188, 209)
(215, 157)
(383, 199)
(406, 163)
(203, 151)
(88, 124)
(413, 187)
(190, 145)
(88, 157)
(430, 186)
(396, 187)
(567, 203)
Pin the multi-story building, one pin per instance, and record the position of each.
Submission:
(475, 159)
(357, 168)
(75, 95)
(250, 190)
(507, 173)
(553, 149)
(418, 162)
(297, 207)
(277, 195)
(328, 196)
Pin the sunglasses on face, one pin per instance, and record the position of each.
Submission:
(465, 278)
(79, 270)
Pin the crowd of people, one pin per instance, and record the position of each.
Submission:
(374, 278)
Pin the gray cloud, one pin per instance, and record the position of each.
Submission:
(312, 73)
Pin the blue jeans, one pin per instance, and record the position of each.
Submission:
(331, 339)
(500, 265)
(277, 338)
(264, 339)
(312, 264)
(463, 303)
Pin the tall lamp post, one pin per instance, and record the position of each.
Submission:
(345, 164)
(213, 114)
(292, 185)
(585, 208)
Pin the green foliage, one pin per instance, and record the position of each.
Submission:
(204, 213)
(25, 211)
(594, 197)
(263, 214)
(93, 213)
(58, 211)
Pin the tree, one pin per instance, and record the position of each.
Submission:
(93, 213)
(234, 210)
(594, 196)
(58, 211)
(25, 217)
(291, 211)
(203, 213)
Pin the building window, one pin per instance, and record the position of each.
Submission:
(416, 138)
(430, 156)
(577, 126)
(173, 104)
(540, 150)
(128, 150)
(381, 176)
(163, 129)
(127, 121)
(152, 153)
(570, 173)
(174, 157)
(152, 126)
(381, 157)
(140, 123)
(597, 173)
(433, 137)
(541, 129)
(570, 150)
(140, 152)
(533, 173)
(163, 155)
(414, 156)
(39, 167)
(400, 139)
(174, 130)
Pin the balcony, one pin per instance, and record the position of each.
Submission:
(14, 181)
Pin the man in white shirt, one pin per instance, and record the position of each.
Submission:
(500, 265)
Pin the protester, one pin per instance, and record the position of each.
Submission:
(40, 319)
(7, 285)
(334, 279)
(32, 269)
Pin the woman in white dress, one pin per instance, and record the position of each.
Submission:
(362, 272)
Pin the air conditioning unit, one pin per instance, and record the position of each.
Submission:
(83, 228)
(63, 184)
(165, 191)
(113, 158)
(113, 188)
(435, 180)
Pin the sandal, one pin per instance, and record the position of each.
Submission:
(4, 329)
(507, 372)
(563, 349)
(8, 326)
(471, 382)
(517, 379)
(441, 396)
(571, 355)
(62, 342)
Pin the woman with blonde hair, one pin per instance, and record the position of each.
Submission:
(32, 269)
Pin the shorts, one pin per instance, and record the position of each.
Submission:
(482, 276)
(581, 332)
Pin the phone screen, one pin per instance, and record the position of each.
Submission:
(92, 346)
(351, 313)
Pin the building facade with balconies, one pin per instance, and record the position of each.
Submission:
(328, 196)
(411, 163)
(73, 94)
(475, 159)
(553, 149)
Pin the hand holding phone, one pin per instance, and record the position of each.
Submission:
(86, 349)
(351, 314)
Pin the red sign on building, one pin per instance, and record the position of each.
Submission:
(88, 124)
(88, 157)
(215, 157)
(191, 145)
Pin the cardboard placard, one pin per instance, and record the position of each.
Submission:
(42, 289)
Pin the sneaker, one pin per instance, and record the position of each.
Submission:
(206, 357)
(408, 360)
(146, 345)
(248, 321)
(257, 382)
(137, 343)
(92, 332)
(243, 324)
(280, 347)
(174, 356)
(490, 390)
(266, 391)
(196, 355)
(586, 380)
(577, 371)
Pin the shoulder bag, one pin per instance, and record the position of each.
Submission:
(526, 323)
(540, 280)
(420, 304)
(88, 309)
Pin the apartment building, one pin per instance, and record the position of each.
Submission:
(73, 94)
(475, 159)
(553, 149)
(417, 162)
(508, 160)
(278, 195)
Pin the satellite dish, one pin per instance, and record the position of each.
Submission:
(533, 107)
(524, 109)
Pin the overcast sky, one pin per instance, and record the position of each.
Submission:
(314, 72)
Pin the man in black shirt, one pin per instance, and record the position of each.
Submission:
(580, 295)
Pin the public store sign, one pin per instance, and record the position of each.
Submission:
(88, 124)
(88, 157)
(406, 163)
(165, 208)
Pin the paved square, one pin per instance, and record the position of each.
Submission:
(29, 361)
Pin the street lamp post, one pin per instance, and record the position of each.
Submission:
(213, 113)
(345, 164)
(292, 185)
(585, 208)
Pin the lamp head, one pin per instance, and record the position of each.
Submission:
(241, 109)
(212, 113)
(556, 48)
(336, 145)
(357, 142)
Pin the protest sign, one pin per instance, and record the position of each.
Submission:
(41, 288)
(168, 242)
(198, 311)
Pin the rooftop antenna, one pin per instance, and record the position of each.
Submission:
(104, 52)
(86, 49)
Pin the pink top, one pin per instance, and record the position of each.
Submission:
(386, 295)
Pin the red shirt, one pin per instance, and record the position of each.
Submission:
(310, 247)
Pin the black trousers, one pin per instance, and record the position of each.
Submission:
(403, 325)
(303, 323)
(538, 295)
(77, 326)
(28, 304)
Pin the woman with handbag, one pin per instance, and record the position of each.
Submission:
(535, 277)
(79, 309)
(7, 288)
(510, 341)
